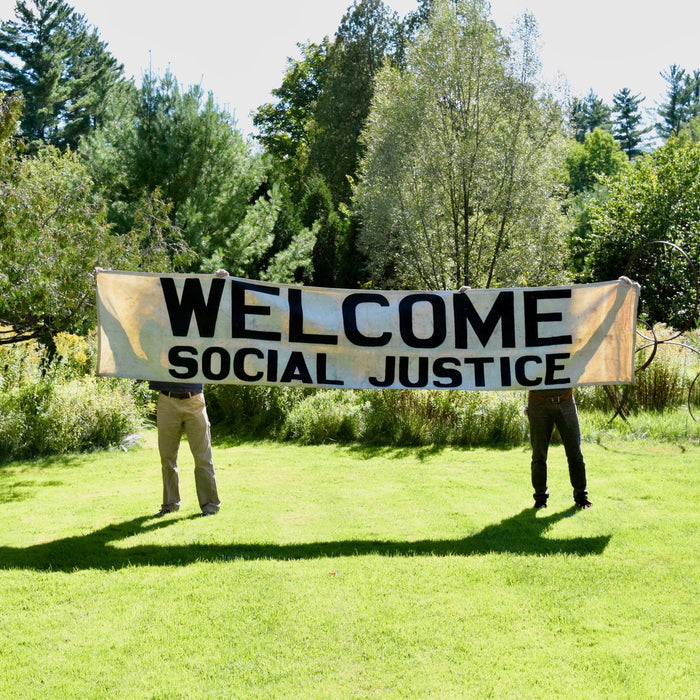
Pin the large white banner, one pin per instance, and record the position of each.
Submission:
(202, 328)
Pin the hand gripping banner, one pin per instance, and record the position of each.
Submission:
(202, 328)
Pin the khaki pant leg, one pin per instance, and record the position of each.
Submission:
(169, 421)
(197, 429)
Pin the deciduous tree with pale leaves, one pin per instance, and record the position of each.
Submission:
(458, 182)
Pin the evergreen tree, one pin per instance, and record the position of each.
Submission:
(627, 129)
(368, 34)
(682, 100)
(61, 68)
(313, 129)
(588, 114)
(178, 147)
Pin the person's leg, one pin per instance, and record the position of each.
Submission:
(570, 432)
(541, 426)
(198, 433)
(169, 422)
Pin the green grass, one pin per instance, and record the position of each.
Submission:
(346, 572)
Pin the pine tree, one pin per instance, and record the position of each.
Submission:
(62, 69)
(588, 114)
(627, 129)
(682, 100)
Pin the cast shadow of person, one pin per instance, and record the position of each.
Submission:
(523, 534)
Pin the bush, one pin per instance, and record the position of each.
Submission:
(251, 411)
(663, 385)
(377, 417)
(57, 418)
(59, 407)
(76, 356)
(20, 363)
(465, 418)
(324, 416)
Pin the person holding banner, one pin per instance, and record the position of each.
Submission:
(545, 409)
(181, 407)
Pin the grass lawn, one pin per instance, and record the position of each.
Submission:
(344, 572)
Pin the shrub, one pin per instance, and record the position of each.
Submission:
(251, 411)
(466, 418)
(324, 416)
(76, 356)
(57, 418)
(20, 363)
(58, 407)
(371, 416)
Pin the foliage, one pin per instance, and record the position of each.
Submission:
(312, 131)
(285, 130)
(598, 156)
(690, 131)
(657, 199)
(682, 100)
(324, 416)
(588, 114)
(628, 129)
(369, 417)
(62, 408)
(50, 418)
(468, 419)
(284, 126)
(53, 232)
(457, 184)
(61, 68)
(587, 164)
(369, 34)
(251, 412)
(180, 147)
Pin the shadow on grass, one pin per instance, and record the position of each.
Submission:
(522, 534)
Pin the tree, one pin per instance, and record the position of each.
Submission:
(284, 125)
(587, 166)
(179, 146)
(656, 199)
(312, 131)
(458, 180)
(53, 231)
(62, 69)
(369, 33)
(682, 100)
(588, 114)
(627, 129)
(691, 130)
(598, 156)
(417, 19)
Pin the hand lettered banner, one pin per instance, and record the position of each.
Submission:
(202, 328)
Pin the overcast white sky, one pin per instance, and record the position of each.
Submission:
(238, 48)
